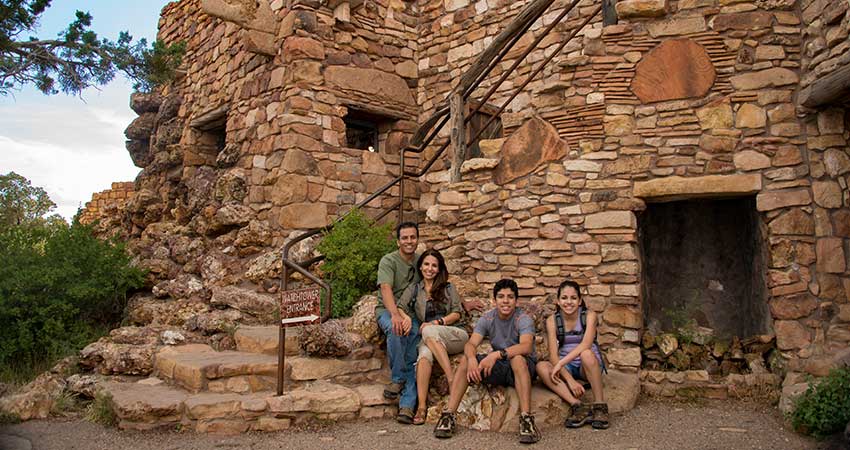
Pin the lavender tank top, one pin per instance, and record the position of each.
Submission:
(572, 341)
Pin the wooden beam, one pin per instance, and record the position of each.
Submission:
(528, 15)
(832, 88)
(609, 12)
(458, 134)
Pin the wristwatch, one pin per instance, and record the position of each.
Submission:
(503, 354)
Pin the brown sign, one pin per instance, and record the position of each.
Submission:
(300, 306)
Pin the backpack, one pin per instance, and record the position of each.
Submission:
(562, 333)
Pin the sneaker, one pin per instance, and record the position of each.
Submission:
(580, 415)
(445, 426)
(600, 416)
(528, 432)
(392, 390)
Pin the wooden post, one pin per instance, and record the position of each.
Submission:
(609, 12)
(458, 134)
(831, 88)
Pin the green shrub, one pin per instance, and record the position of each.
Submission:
(100, 410)
(60, 288)
(352, 251)
(824, 409)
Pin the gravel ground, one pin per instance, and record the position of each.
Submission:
(652, 425)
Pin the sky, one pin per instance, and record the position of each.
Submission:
(74, 146)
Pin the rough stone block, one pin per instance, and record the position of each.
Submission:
(830, 253)
(674, 188)
(611, 219)
(770, 200)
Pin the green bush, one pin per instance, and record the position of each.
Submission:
(60, 288)
(352, 251)
(824, 409)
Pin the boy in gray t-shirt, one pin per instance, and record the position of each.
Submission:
(511, 363)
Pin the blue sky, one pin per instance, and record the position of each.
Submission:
(74, 146)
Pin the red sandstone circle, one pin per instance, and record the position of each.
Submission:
(676, 69)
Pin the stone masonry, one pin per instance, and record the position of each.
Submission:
(679, 100)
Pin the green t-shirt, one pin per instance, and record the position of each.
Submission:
(398, 273)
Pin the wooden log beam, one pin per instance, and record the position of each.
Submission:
(531, 13)
(458, 134)
(832, 88)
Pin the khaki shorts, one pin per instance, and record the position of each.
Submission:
(452, 338)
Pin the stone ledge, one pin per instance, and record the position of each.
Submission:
(681, 188)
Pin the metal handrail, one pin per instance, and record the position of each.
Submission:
(430, 128)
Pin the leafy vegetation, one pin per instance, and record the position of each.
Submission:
(77, 58)
(100, 410)
(352, 251)
(60, 287)
(824, 409)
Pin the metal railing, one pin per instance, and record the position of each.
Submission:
(425, 134)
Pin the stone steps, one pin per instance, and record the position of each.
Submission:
(263, 339)
(198, 367)
(151, 404)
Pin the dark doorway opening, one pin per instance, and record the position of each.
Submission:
(704, 265)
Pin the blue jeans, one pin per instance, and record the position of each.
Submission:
(402, 352)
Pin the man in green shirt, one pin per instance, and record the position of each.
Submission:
(396, 271)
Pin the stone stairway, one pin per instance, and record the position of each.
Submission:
(195, 387)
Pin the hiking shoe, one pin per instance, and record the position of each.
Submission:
(405, 416)
(528, 432)
(445, 426)
(393, 390)
(600, 416)
(580, 415)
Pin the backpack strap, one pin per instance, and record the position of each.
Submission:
(559, 327)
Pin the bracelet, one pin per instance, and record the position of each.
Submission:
(441, 321)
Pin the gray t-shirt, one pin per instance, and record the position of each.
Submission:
(505, 333)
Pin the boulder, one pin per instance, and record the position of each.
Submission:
(35, 400)
(145, 102)
(86, 386)
(327, 339)
(231, 215)
(265, 267)
(244, 300)
(218, 321)
(142, 127)
(111, 358)
(231, 187)
(139, 151)
(533, 144)
(363, 320)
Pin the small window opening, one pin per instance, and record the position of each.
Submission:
(361, 135)
(366, 130)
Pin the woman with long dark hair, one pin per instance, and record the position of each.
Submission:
(437, 305)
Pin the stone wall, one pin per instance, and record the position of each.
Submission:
(679, 100)
(108, 205)
(247, 147)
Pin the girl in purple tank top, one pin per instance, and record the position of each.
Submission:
(576, 357)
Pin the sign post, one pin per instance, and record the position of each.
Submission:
(299, 306)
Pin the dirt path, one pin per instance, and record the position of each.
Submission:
(652, 425)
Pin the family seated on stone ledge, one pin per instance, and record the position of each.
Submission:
(423, 319)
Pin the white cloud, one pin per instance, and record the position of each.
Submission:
(69, 173)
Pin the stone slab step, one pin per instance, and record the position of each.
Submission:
(197, 367)
(264, 340)
(152, 404)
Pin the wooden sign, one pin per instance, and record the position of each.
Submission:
(300, 306)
